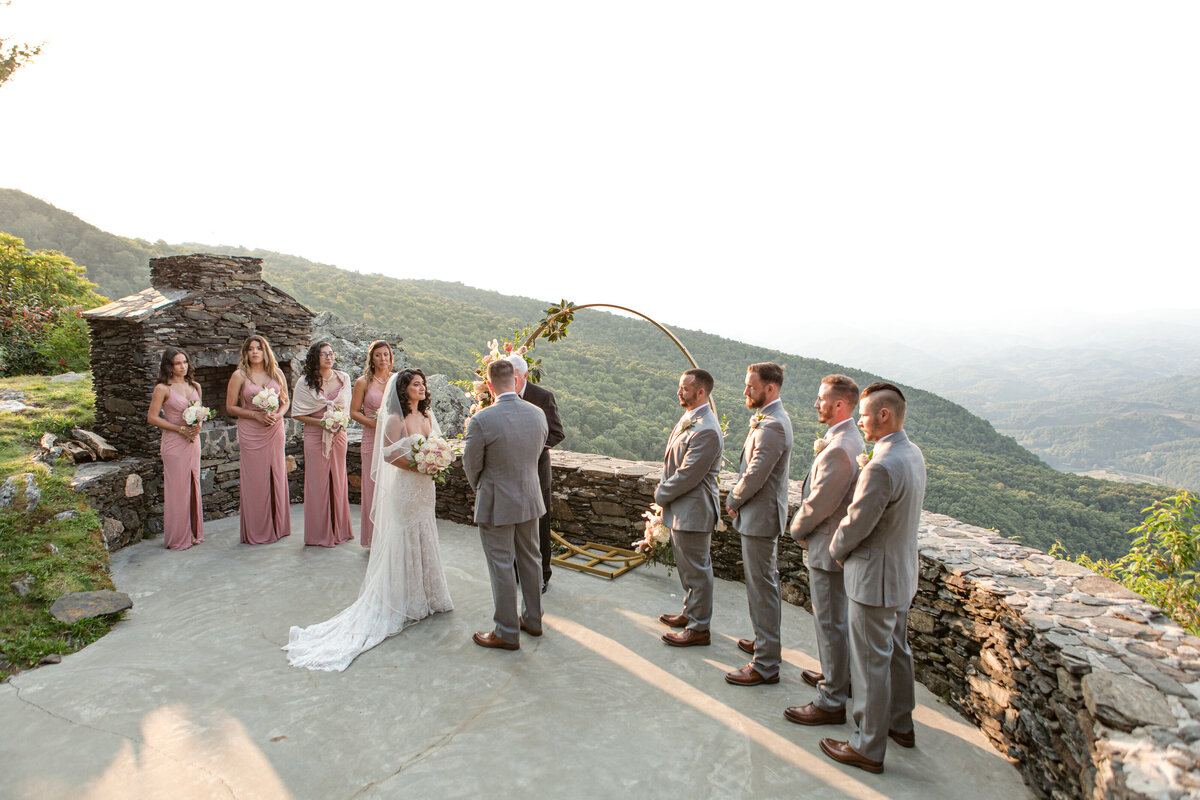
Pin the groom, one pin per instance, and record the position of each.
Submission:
(500, 456)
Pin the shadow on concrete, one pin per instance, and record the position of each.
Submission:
(190, 696)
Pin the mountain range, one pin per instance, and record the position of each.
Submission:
(615, 379)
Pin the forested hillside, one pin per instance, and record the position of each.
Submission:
(615, 379)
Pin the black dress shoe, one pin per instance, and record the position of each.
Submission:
(545, 585)
(904, 739)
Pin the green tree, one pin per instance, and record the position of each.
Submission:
(13, 56)
(42, 294)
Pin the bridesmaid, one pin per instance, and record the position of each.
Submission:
(263, 473)
(368, 396)
(176, 389)
(326, 494)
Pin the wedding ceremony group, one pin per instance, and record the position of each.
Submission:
(857, 521)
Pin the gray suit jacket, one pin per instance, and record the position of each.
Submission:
(688, 490)
(828, 490)
(500, 457)
(760, 495)
(877, 541)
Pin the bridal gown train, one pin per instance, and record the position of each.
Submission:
(404, 582)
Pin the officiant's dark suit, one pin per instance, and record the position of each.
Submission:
(544, 399)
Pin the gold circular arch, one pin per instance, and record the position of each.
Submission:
(572, 309)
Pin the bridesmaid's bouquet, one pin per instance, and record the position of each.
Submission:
(655, 543)
(335, 420)
(266, 400)
(433, 457)
(196, 413)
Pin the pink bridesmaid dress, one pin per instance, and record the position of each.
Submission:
(263, 474)
(371, 403)
(326, 492)
(183, 515)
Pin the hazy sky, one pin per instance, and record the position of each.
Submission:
(774, 172)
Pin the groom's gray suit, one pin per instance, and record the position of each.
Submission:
(760, 498)
(828, 490)
(692, 507)
(877, 544)
(500, 457)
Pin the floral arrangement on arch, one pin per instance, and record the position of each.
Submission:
(477, 390)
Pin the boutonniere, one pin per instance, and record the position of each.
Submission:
(687, 426)
(756, 420)
(819, 444)
(864, 459)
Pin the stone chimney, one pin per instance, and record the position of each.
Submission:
(203, 271)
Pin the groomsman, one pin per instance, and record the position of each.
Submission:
(827, 493)
(691, 506)
(544, 399)
(758, 506)
(877, 545)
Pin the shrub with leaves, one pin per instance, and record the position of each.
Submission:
(1161, 564)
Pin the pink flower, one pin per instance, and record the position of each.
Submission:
(863, 459)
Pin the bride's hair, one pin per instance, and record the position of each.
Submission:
(312, 366)
(406, 377)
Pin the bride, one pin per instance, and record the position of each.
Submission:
(404, 581)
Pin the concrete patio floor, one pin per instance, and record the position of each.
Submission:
(191, 697)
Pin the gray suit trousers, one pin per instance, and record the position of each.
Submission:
(694, 563)
(828, 594)
(881, 668)
(765, 598)
(504, 544)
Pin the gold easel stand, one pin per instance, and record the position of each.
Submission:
(596, 559)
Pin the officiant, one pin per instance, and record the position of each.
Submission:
(544, 399)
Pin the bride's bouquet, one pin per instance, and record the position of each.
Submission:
(655, 543)
(196, 413)
(335, 420)
(433, 457)
(266, 400)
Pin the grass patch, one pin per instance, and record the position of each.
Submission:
(51, 556)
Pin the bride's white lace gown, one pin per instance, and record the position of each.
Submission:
(404, 582)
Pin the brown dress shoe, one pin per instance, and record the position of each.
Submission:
(530, 630)
(811, 677)
(748, 676)
(687, 638)
(904, 739)
(811, 715)
(674, 620)
(746, 646)
(843, 752)
(490, 639)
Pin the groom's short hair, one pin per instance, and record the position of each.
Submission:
(501, 375)
(702, 378)
(767, 372)
(887, 395)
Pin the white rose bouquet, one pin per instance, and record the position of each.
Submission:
(196, 413)
(335, 420)
(433, 457)
(655, 543)
(266, 400)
